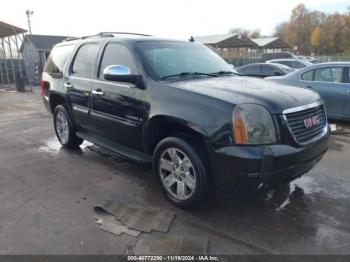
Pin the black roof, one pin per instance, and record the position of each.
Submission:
(119, 36)
(43, 42)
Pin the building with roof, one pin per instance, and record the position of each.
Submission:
(271, 44)
(11, 63)
(35, 50)
(227, 45)
(239, 49)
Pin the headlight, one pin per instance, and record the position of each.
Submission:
(252, 124)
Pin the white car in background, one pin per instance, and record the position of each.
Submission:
(292, 63)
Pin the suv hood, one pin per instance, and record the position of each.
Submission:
(242, 90)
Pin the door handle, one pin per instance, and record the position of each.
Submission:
(310, 87)
(97, 92)
(68, 85)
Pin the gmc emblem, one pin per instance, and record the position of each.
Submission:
(312, 121)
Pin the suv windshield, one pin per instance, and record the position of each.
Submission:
(182, 59)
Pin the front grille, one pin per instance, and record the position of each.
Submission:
(296, 123)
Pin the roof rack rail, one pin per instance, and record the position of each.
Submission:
(121, 33)
(103, 34)
(70, 38)
(97, 35)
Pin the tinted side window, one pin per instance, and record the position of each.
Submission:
(269, 70)
(85, 60)
(348, 74)
(58, 58)
(307, 76)
(287, 63)
(117, 54)
(329, 74)
(253, 69)
(296, 64)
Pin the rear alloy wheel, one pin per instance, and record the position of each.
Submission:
(64, 128)
(180, 171)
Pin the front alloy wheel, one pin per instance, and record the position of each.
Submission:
(179, 167)
(177, 173)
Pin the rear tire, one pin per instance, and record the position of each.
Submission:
(64, 128)
(179, 168)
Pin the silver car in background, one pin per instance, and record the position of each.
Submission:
(330, 80)
(292, 63)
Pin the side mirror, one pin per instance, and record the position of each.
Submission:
(276, 73)
(120, 73)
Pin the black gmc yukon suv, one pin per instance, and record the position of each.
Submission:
(179, 106)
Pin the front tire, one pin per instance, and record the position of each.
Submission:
(180, 171)
(64, 128)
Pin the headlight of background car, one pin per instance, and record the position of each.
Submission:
(252, 124)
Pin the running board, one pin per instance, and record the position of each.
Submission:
(125, 151)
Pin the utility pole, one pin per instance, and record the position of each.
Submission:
(29, 13)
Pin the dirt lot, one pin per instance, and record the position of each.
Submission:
(48, 194)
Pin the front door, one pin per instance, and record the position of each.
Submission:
(347, 96)
(328, 82)
(79, 83)
(118, 108)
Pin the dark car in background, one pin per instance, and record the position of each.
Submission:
(178, 106)
(263, 70)
(330, 80)
(276, 55)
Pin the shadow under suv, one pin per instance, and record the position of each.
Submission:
(179, 106)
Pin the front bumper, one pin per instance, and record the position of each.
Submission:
(264, 164)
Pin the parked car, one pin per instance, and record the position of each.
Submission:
(277, 55)
(330, 80)
(292, 63)
(263, 70)
(178, 106)
(310, 59)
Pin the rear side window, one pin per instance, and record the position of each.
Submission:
(58, 58)
(85, 59)
(308, 76)
(253, 69)
(269, 70)
(287, 63)
(329, 74)
(296, 64)
(117, 54)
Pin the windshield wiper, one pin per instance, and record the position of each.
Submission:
(189, 74)
(219, 73)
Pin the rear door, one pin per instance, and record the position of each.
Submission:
(328, 82)
(269, 70)
(347, 99)
(79, 82)
(252, 70)
(118, 108)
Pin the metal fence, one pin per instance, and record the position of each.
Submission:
(9, 69)
(334, 58)
(250, 58)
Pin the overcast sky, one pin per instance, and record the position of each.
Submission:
(167, 18)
